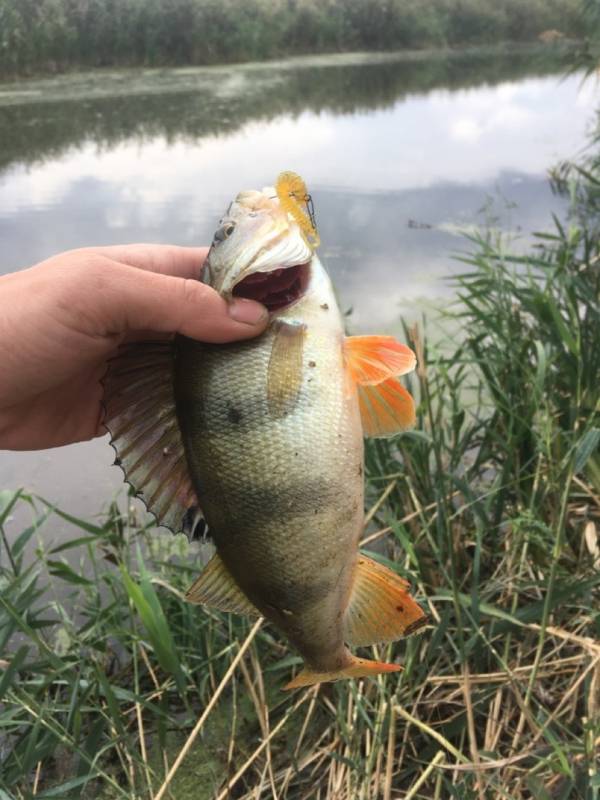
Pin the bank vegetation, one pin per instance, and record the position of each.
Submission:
(54, 35)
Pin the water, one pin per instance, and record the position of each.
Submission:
(400, 152)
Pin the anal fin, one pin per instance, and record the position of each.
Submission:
(380, 607)
(215, 587)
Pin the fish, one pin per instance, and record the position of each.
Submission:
(262, 441)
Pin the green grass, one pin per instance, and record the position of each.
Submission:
(491, 507)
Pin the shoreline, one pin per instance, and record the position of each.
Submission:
(306, 60)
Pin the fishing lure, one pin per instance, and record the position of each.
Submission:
(292, 194)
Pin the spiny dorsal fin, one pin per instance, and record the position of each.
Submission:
(215, 587)
(380, 608)
(140, 416)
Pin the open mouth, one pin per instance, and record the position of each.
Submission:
(276, 289)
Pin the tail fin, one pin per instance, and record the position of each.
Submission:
(358, 668)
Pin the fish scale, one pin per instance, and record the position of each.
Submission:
(261, 502)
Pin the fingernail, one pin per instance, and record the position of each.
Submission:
(248, 311)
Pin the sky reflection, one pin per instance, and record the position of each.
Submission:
(463, 136)
(377, 178)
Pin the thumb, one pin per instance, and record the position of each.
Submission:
(142, 300)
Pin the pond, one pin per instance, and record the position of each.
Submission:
(401, 152)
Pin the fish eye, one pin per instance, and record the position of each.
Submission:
(224, 232)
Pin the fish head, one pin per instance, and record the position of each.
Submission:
(259, 252)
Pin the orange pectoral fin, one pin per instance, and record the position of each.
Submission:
(373, 364)
(372, 359)
(386, 408)
(380, 607)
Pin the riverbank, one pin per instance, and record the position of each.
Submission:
(53, 36)
(91, 84)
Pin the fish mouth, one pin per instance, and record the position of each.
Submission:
(276, 289)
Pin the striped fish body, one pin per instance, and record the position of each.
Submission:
(280, 481)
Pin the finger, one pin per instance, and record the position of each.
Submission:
(183, 262)
(134, 300)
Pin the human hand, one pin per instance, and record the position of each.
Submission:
(61, 320)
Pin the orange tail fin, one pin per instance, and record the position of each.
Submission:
(358, 668)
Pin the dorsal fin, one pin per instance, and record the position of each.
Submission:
(140, 416)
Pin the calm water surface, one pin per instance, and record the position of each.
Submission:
(400, 153)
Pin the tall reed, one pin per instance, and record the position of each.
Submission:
(51, 35)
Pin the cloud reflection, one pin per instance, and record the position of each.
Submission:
(158, 190)
(465, 136)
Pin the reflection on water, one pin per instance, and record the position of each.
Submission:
(400, 154)
(41, 119)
